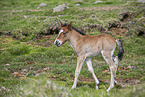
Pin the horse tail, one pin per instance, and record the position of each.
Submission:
(121, 50)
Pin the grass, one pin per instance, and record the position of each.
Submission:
(22, 19)
(28, 68)
(45, 87)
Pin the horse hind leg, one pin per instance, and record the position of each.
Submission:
(116, 64)
(115, 60)
(108, 58)
(90, 68)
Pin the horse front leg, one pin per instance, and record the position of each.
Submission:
(90, 68)
(80, 61)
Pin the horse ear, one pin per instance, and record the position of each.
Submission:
(69, 26)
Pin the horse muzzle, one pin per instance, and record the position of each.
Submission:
(58, 43)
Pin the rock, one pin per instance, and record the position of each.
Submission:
(79, 0)
(114, 24)
(60, 8)
(31, 68)
(142, 1)
(93, 16)
(42, 5)
(24, 70)
(98, 2)
(130, 67)
(45, 69)
(77, 4)
(25, 16)
(140, 31)
(3, 88)
(125, 16)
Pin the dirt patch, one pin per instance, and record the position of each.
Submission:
(46, 40)
(22, 10)
(119, 32)
(127, 82)
(107, 8)
(86, 79)
(122, 82)
(117, 28)
(11, 10)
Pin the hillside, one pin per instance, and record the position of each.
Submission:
(32, 66)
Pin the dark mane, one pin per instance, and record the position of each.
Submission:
(82, 33)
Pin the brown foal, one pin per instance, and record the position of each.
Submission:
(87, 46)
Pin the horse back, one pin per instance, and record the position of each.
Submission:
(103, 41)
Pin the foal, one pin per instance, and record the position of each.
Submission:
(87, 46)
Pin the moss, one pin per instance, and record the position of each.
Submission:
(18, 49)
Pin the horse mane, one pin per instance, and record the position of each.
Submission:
(81, 32)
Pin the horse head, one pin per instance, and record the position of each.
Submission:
(64, 34)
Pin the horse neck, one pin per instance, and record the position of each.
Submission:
(75, 36)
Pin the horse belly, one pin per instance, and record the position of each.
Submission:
(92, 52)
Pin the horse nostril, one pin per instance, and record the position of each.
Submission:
(57, 43)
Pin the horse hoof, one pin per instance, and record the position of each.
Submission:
(97, 87)
(115, 82)
(73, 88)
(108, 89)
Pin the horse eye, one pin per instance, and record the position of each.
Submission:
(64, 33)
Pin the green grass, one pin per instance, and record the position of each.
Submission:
(22, 28)
(46, 88)
(27, 67)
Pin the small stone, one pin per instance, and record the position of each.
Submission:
(142, 1)
(25, 70)
(98, 2)
(60, 8)
(42, 5)
(3, 88)
(79, 0)
(130, 67)
(86, 86)
(125, 16)
(45, 69)
(77, 4)
(31, 68)
(93, 16)
(37, 74)
(25, 16)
